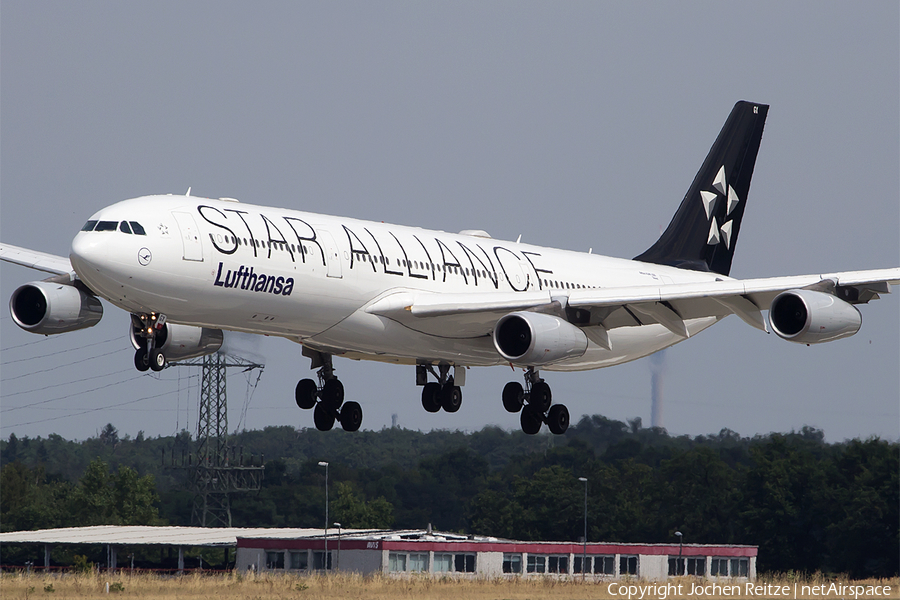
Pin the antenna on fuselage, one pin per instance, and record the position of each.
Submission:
(519, 239)
(188, 193)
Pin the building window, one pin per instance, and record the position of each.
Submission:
(396, 562)
(558, 564)
(605, 565)
(443, 563)
(692, 565)
(274, 560)
(578, 560)
(319, 560)
(464, 563)
(418, 563)
(628, 565)
(740, 567)
(512, 563)
(300, 560)
(536, 563)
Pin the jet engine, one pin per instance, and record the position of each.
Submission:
(534, 339)
(180, 342)
(810, 317)
(48, 307)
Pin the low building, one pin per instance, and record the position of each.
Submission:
(444, 554)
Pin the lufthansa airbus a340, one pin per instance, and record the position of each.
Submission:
(187, 268)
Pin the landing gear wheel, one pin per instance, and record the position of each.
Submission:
(451, 397)
(157, 360)
(323, 418)
(540, 396)
(333, 393)
(513, 397)
(305, 393)
(431, 400)
(351, 416)
(141, 359)
(558, 419)
(530, 420)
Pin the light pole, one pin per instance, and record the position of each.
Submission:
(338, 525)
(584, 548)
(680, 537)
(325, 557)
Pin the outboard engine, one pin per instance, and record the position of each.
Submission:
(49, 307)
(810, 317)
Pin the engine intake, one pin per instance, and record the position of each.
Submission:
(180, 342)
(534, 339)
(48, 307)
(810, 317)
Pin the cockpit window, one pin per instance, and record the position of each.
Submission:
(89, 226)
(124, 227)
(137, 228)
(107, 226)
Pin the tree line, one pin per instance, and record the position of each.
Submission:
(809, 505)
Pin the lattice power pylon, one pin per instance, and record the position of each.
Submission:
(216, 475)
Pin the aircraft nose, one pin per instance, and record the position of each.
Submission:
(88, 253)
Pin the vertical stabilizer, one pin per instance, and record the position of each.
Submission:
(704, 231)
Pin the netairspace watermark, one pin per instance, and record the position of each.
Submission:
(797, 591)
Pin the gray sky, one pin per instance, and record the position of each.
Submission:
(574, 124)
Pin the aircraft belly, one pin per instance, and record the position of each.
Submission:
(382, 338)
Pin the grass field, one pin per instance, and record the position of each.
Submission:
(317, 587)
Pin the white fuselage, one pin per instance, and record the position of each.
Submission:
(310, 277)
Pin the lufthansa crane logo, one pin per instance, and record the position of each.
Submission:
(144, 257)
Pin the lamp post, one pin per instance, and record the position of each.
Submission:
(325, 557)
(584, 548)
(338, 525)
(680, 537)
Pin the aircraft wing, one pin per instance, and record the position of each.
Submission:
(41, 261)
(469, 315)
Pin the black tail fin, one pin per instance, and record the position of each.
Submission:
(704, 230)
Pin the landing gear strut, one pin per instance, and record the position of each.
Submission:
(534, 400)
(326, 398)
(148, 356)
(441, 394)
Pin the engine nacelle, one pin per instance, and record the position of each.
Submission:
(49, 307)
(534, 339)
(809, 317)
(180, 342)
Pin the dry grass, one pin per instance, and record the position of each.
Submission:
(318, 587)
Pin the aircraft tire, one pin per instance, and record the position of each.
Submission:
(157, 360)
(451, 397)
(530, 420)
(323, 418)
(431, 400)
(305, 393)
(333, 393)
(513, 396)
(540, 397)
(558, 419)
(141, 359)
(351, 416)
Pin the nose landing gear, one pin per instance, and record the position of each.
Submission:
(326, 398)
(534, 400)
(148, 355)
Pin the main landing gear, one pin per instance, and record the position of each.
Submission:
(148, 356)
(326, 398)
(441, 394)
(534, 401)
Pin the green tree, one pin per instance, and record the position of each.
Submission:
(101, 498)
(352, 512)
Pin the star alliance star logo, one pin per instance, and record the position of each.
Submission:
(710, 200)
(163, 229)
